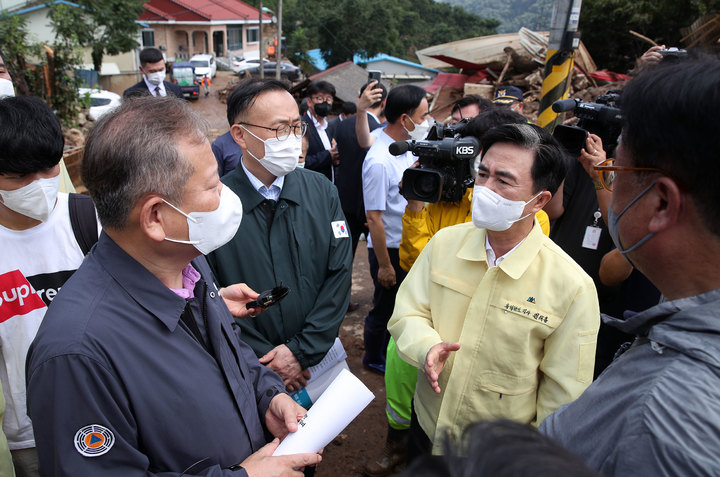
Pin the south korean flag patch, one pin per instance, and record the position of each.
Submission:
(340, 229)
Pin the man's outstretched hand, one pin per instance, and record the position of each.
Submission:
(435, 362)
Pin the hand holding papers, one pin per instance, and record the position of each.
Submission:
(321, 375)
(341, 402)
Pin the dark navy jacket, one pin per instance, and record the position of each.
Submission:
(317, 158)
(113, 353)
(227, 153)
(349, 173)
(141, 89)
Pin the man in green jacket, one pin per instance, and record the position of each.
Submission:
(293, 233)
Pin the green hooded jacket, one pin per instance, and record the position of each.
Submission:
(307, 248)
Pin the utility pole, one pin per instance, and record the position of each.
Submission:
(261, 54)
(278, 47)
(559, 62)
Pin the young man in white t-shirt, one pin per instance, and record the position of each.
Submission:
(39, 251)
(408, 117)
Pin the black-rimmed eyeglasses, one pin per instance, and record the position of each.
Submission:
(283, 132)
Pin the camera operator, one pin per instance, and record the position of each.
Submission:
(469, 106)
(408, 118)
(421, 221)
(579, 211)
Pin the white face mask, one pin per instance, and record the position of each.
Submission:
(208, 231)
(156, 78)
(281, 157)
(420, 131)
(35, 200)
(301, 165)
(6, 88)
(494, 212)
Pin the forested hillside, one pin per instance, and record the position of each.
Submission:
(605, 24)
(512, 14)
(342, 28)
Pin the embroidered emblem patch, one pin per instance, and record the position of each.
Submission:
(94, 440)
(531, 300)
(340, 229)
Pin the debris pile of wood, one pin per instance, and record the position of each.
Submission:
(223, 93)
(507, 59)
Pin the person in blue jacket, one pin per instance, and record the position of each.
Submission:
(137, 369)
(655, 410)
(294, 234)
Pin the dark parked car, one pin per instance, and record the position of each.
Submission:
(183, 75)
(292, 72)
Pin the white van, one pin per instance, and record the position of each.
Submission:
(204, 65)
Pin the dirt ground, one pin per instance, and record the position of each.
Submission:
(364, 438)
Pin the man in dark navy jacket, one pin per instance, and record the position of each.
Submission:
(349, 170)
(152, 67)
(322, 153)
(138, 368)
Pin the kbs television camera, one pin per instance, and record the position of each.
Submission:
(602, 118)
(445, 162)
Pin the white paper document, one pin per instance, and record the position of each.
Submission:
(341, 402)
(321, 375)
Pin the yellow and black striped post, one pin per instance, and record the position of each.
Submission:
(559, 61)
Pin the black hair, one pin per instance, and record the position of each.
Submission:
(320, 86)
(483, 103)
(245, 94)
(150, 55)
(501, 448)
(31, 137)
(348, 107)
(485, 121)
(670, 122)
(550, 163)
(382, 98)
(403, 100)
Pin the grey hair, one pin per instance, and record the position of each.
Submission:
(133, 152)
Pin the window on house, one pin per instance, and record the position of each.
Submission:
(148, 38)
(252, 34)
(234, 37)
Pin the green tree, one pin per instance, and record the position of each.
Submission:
(605, 26)
(16, 49)
(44, 70)
(107, 27)
(344, 28)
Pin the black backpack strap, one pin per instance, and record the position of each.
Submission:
(83, 221)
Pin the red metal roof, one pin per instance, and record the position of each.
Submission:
(199, 10)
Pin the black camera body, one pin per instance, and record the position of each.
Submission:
(444, 171)
(602, 118)
(672, 53)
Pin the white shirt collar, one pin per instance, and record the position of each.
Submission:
(152, 87)
(320, 126)
(495, 262)
(272, 192)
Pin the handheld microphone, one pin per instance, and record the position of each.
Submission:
(564, 105)
(398, 147)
